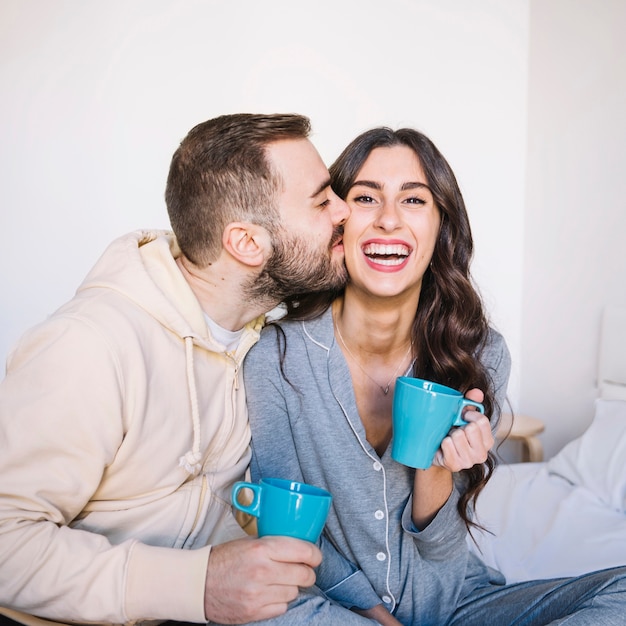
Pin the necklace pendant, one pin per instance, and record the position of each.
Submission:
(385, 389)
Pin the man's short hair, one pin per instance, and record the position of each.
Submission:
(220, 174)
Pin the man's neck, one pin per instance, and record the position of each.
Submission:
(219, 291)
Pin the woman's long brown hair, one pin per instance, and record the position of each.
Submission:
(450, 327)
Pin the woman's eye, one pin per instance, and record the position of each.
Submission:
(415, 200)
(364, 199)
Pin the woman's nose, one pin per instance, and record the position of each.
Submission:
(387, 216)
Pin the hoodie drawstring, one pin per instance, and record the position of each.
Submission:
(191, 460)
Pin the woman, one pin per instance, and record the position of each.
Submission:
(320, 387)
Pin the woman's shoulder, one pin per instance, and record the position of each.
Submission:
(284, 344)
(318, 329)
(278, 330)
(495, 338)
(495, 352)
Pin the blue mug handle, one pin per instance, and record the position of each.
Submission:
(459, 421)
(254, 508)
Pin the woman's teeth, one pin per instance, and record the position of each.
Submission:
(386, 254)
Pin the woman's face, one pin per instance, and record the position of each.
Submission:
(391, 233)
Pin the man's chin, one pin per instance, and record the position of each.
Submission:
(340, 278)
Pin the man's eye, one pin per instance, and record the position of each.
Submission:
(325, 203)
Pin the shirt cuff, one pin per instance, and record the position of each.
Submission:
(446, 528)
(166, 583)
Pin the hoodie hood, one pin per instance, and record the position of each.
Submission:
(141, 266)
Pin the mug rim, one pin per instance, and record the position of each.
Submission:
(429, 386)
(296, 487)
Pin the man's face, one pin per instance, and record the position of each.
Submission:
(308, 249)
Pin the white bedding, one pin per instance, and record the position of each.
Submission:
(563, 517)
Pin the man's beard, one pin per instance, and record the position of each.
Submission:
(294, 268)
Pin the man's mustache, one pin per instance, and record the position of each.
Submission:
(337, 236)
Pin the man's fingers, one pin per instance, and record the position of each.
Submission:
(252, 579)
(289, 550)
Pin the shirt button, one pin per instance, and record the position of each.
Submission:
(377, 466)
(381, 556)
(379, 514)
(386, 599)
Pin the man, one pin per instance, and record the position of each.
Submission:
(122, 417)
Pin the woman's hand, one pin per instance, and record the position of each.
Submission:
(461, 449)
(467, 446)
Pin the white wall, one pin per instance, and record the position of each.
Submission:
(575, 219)
(96, 96)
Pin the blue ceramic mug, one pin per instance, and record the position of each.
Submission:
(423, 413)
(285, 507)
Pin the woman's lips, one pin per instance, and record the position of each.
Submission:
(386, 255)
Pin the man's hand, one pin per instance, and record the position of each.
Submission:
(254, 579)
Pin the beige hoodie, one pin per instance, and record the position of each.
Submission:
(123, 426)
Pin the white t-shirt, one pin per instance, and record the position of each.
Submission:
(230, 338)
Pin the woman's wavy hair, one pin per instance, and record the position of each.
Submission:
(450, 327)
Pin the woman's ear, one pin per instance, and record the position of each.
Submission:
(249, 243)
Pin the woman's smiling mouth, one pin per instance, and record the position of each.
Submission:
(387, 253)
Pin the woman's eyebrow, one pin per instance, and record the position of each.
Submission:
(415, 185)
(367, 183)
(404, 187)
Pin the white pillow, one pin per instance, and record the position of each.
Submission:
(597, 459)
(612, 391)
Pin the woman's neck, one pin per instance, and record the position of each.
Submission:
(376, 341)
(374, 326)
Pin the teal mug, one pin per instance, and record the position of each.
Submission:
(285, 507)
(423, 413)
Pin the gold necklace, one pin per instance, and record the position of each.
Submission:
(384, 389)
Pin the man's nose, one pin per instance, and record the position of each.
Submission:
(341, 211)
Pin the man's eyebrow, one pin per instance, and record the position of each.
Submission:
(321, 188)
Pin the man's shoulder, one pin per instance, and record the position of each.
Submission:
(103, 314)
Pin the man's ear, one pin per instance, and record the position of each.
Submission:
(249, 243)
